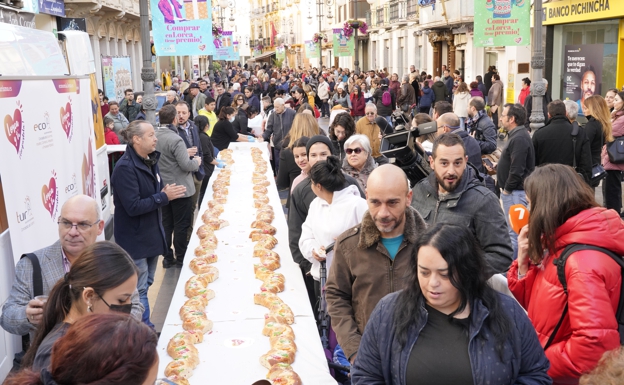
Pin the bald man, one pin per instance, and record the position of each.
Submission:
(371, 258)
(78, 227)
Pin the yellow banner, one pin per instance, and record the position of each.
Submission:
(574, 11)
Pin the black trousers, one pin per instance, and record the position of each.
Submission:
(612, 190)
(311, 289)
(177, 219)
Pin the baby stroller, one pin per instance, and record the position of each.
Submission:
(328, 337)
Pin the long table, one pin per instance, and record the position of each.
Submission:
(230, 353)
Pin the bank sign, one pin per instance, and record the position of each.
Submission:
(573, 11)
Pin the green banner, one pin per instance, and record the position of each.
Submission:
(343, 46)
(499, 23)
(312, 49)
(280, 52)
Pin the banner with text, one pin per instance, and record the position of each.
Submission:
(280, 52)
(582, 72)
(224, 47)
(500, 23)
(107, 75)
(54, 145)
(122, 77)
(181, 27)
(52, 7)
(312, 49)
(343, 46)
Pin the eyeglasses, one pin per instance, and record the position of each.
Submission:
(82, 226)
(357, 150)
(370, 114)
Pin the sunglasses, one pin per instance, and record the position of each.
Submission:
(357, 150)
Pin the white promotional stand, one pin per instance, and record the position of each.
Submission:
(230, 354)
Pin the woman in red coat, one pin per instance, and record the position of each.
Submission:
(564, 212)
(358, 101)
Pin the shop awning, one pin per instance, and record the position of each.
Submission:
(263, 57)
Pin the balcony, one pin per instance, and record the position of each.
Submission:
(457, 12)
(413, 10)
(379, 16)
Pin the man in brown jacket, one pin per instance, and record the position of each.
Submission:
(372, 258)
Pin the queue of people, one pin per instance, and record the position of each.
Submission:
(427, 280)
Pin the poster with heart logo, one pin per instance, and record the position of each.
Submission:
(182, 27)
(46, 153)
(500, 23)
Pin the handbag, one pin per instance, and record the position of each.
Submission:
(615, 150)
(598, 173)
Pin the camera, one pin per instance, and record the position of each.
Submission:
(400, 146)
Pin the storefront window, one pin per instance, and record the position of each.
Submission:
(587, 63)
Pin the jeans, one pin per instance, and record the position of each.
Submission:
(147, 269)
(177, 218)
(516, 197)
(325, 109)
(612, 190)
(462, 123)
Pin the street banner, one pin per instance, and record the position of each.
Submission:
(181, 27)
(23, 19)
(122, 76)
(224, 47)
(257, 52)
(582, 72)
(343, 46)
(107, 75)
(52, 7)
(54, 145)
(499, 23)
(311, 49)
(280, 52)
(236, 49)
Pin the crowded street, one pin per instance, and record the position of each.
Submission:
(348, 192)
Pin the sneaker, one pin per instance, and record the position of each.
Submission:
(167, 263)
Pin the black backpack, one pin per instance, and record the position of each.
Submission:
(560, 263)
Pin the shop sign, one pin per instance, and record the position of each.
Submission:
(502, 23)
(573, 11)
(22, 19)
(52, 7)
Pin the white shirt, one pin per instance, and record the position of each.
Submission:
(325, 222)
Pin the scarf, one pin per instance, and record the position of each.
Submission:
(472, 122)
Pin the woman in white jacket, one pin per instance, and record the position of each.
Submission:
(460, 103)
(335, 210)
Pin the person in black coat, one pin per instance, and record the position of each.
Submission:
(416, 87)
(241, 120)
(208, 160)
(222, 98)
(553, 142)
(224, 133)
(596, 110)
(139, 194)
(487, 79)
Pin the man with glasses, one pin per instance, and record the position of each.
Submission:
(78, 227)
(370, 128)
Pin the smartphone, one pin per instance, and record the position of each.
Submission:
(329, 248)
(488, 162)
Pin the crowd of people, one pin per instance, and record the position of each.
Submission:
(427, 280)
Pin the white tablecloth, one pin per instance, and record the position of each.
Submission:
(233, 311)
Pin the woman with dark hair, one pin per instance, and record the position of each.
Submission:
(610, 96)
(102, 279)
(209, 160)
(241, 120)
(358, 102)
(301, 159)
(526, 90)
(303, 125)
(238, 101)
(299, 97)
(340, 130)
(612, 185)
(335, 209)
(571, 216)
(112, 349)
(223, 132)
(448, 326)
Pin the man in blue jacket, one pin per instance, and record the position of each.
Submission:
(138, 194)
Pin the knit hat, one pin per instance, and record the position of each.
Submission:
(317, 139)
(340, 85)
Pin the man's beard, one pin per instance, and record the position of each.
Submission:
(390, 226)
(446, 185)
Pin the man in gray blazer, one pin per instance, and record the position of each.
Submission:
(22, 313)
(176, 168)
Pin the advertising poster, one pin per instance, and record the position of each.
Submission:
(71, 24)
(280, 52)
(54, 145)
(122, 76)
(30, 6)
(107, 75)
(502, 23)
(52, 7)
(224, 47)
(257, 52)
(312, 49)
(181, 27)
(343, 46)
(582, 72)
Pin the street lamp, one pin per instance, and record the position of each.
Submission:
(147, 72)
(538, 88)
(319, 15)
